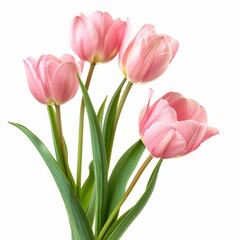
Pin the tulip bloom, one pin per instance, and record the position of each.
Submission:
(52, 80)
(173, 126)
(147, 56)
(96, 38)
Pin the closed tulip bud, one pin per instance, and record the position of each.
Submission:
(96, 38)
(53, 80)
(174, 126)
(147, 56)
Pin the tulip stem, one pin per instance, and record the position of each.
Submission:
(62, 147)
(117, 116)
(80, 133)
(126, 194)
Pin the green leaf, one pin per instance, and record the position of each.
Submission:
(108, 131)
(121, 174)
(99, 161)
(58, 153)
(77, 217)
(121, 225)
(87, 188)
(101, 112)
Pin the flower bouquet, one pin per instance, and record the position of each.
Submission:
(172, 126)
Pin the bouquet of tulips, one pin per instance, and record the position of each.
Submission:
(172, 126)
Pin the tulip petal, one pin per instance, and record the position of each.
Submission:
(149, 59)
(113, 40)
(160, 111)
(64, 83)
(83, 38)
(34, 83)
(163, 141)
(211, 131)
(127, 43)
(192, 132)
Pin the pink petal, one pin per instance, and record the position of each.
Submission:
(160, 111)
(187, 109)
(163, 141)
(83, 38)
(64, 83)
(193, 133)
(149, 59)
(113, 40)
(34, 83)
(128, 43)
(211, 131)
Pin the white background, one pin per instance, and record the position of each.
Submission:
(196, 196)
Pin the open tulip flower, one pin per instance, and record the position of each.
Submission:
(170, 127)
(174, 126)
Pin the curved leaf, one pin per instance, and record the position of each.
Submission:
(121, 225)
(121, 174)
(79, 223)
(99, 161)
(87, 188)
(108, 131)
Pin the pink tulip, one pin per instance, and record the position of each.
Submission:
(147, 56)
(173, 126)
(96, 38)
(52, 80)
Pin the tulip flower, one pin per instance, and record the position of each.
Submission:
(147, 56)
(96, 38)
(173, 126)
(53, 80)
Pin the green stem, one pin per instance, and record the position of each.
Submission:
(80, 133)
(62, 147)
(126, 194)
(117, 116)
(52, 118)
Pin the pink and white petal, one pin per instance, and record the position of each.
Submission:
(34, 83)
(125, 45)
(171, 97)
(163, 141)
(113, 39)
(64, 84)
(210, 132)
(187, 109)
(83, 38)
(193, 133)
(33, 62)
(67, 58)
(201, 117)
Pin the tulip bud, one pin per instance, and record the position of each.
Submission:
(53, 80)
(96, 38)
(147, 56)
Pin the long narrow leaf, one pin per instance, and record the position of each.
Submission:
(121, 225)
(99, 161)
(108, 131)
(77, 217)
(87, 188)
(101, 112)
(121, 174)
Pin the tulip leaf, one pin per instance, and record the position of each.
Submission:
(121, 174)
(87, 188)
(121, 225)
(80, 226)
(108, 129)
(101, 112)
(58, 153)
(99, 161)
